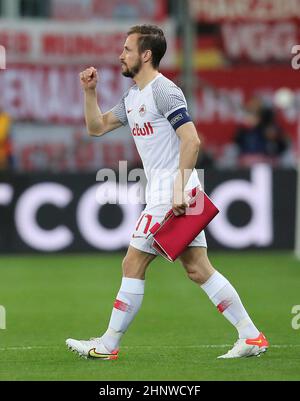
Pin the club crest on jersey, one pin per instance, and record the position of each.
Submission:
(142, 110)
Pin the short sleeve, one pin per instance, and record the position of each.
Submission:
(119, 110)
(168, 97)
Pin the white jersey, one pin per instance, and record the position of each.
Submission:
(147, 112)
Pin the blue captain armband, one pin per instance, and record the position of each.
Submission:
(179, 117)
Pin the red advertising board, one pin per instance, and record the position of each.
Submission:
(221, 94)
(53, 95)
(244, 10)
(57, 42)
(99, 9)
(259, 42)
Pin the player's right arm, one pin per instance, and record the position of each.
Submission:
(97, 123)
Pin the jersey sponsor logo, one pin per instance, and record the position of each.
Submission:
(142, 110)
(146, 130)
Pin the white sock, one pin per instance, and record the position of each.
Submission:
(228, 302)
(126, 306)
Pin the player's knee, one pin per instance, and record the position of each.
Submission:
(126, 266)
(131, 268)
(195, 273)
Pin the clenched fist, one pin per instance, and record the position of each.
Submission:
(89, 78)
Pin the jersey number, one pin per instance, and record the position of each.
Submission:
(144, 216)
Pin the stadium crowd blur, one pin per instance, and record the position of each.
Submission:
(232, 103)
(259, 138)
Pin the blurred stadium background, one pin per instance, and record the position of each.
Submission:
(234, 61)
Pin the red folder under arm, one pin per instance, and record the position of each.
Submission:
(175, 233)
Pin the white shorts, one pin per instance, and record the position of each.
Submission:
(143, 225)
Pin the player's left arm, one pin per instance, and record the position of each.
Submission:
(189, 149)
(171, 103)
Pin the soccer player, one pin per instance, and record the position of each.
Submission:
(156, 111)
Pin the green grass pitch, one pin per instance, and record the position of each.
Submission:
(177, 334)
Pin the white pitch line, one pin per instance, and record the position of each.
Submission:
(33, 347)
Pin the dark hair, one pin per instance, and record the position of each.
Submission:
(151, 38)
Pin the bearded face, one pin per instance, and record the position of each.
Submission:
(131, 60)
(130, 72)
